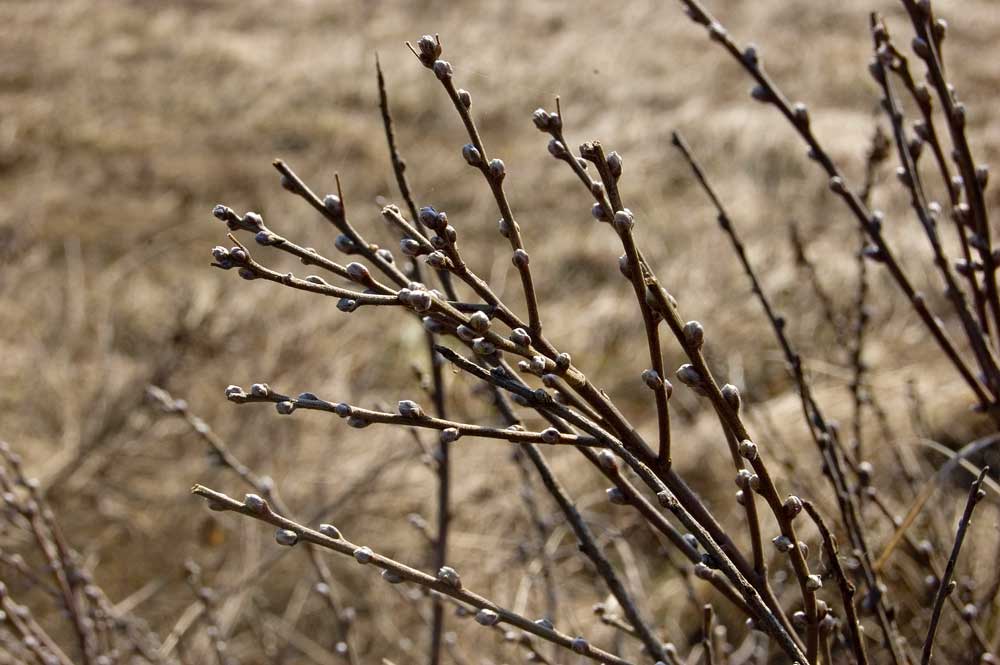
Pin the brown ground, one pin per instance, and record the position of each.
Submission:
(123, 123)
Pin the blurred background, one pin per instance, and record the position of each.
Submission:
(123, 123)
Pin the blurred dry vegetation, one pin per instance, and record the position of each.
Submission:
(123, 123)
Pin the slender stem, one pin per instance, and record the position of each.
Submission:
(946, 585)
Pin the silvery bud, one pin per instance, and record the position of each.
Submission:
(391, 576)
(449, 576)
(286, 537)
(443, 70)
(550, 435)
(689, 376)
(694, 334)
(479, 322)
(330, 531)
(483, 347)
(429, 50)
(363, 555)
(486, 617)
(345, 244)
(520, 337)
(607, 460)
(333, 203)
(497, 169)
(255, 504)
(782, 543)
(624, 221)
(792, 506)
(285, 408)
(465, 98)
(471, 155)
(652, 379)
(410, 409)
(359, 273)
(732, 396)
(450, 434)
(579, 645)
(748, 449)
(615, 165)
(616, 496)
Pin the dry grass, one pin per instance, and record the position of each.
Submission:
(124, 123)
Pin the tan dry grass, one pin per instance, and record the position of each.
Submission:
(124, 122)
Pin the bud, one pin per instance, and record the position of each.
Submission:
(429, 50)
(557, 149)
(363, 555)
(732, 396)
(471, 155)
(550, 435)
(652, 379)
(607, 460)
(694, 334)
(748, 449)
(345, 244)
(450, 435)
(483, 347)
(689, 376)
(782, 543)
(520, 258)
(579, 645)
(255, 504)
(333, 203)
(814, 583)
(616, 496)
(542, 119)
(486, 617)
(497, 169)
(624, 221)
(410, 409)
(391, 577)
(285, 408)
(330, 531)
(615, 165)
(479, 322)
(449, 576)
(465, 98)
(520, 337)
(286, 537)
(443, 70)
(792, 506)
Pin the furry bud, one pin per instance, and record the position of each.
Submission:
(520, 337)
(363, 555)
(392, 577)
(255, 504)
(333, 203)
(286, 537)
(449, 576)
(471, 155)
(782, 543)
(409, 409)
(624, 221)
(694, 334)
(748, 449)
(550, 435)
(652, 379)
(285, 408)
(792, 506)
(520, 258)
(465, 98)
(497, 169)
(482, 347)
(450, 434)
(486, 617)
(689, 376)
(615, 165)
(443, 70)
(479, 322)
(330, 531)
(732, 396)
(579, 645)
(616, 496)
